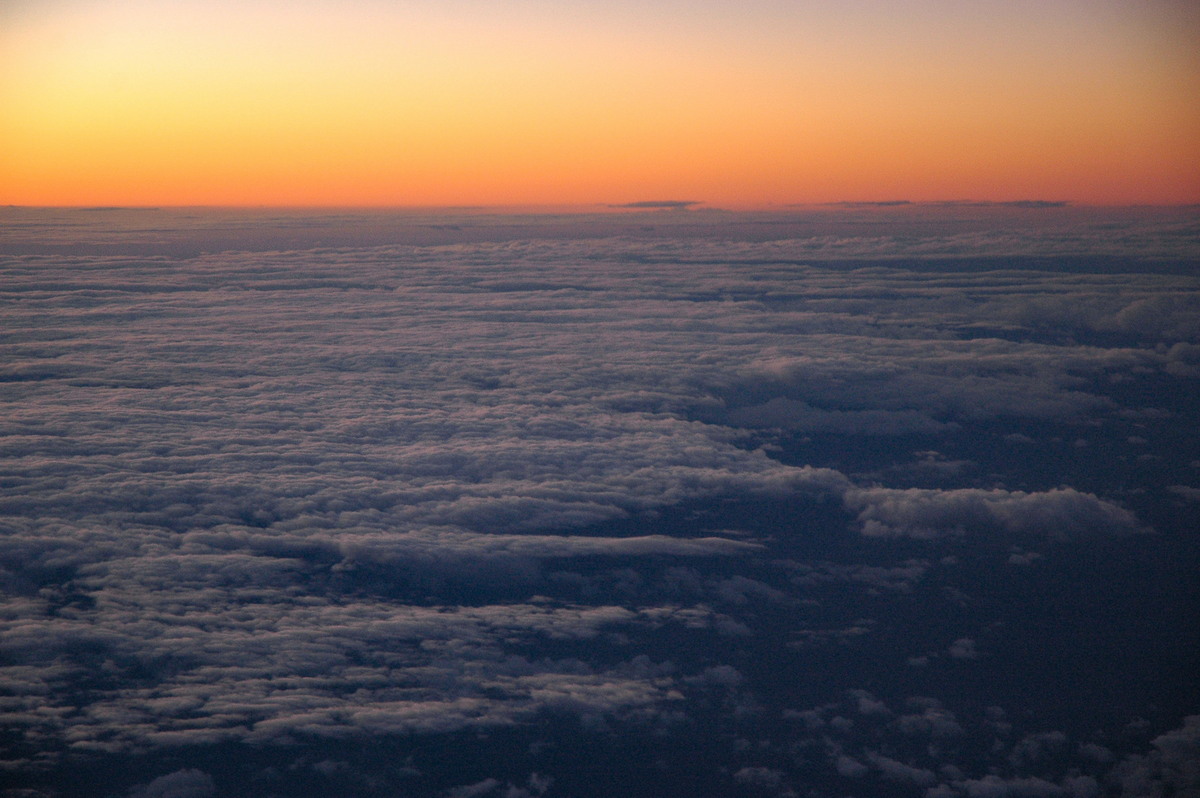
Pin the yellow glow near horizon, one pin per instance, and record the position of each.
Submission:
(462, 102)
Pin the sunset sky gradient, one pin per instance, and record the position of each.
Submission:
(754, 104)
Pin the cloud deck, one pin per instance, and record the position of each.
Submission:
(845, 521)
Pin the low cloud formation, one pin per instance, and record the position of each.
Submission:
(799, 416)
(1171, 767)
(538, 482)
(1058, 514)
(180, 784)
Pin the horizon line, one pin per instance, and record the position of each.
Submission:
(680, 207)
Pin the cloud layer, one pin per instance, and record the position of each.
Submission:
(270, 497)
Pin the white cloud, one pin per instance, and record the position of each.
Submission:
(1058, 514)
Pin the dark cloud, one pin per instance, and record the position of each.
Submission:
(799, 416)
(1028, 204)
(674, 205)
(878, 204)
(1172, 766)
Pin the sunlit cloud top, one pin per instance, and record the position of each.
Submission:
(466, 102)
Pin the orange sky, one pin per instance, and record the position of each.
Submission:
(434, 102)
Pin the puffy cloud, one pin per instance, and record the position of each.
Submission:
(869, 704)
(1186, 492)
(850, 767)
(800, 416)
(1172, 767)
(760, 778)
(934, 720)
(902, 577)
(894, 770)
(1174, 317)
(1034, 747)
(180, 784)
(269, 670)
(963, 648)
(448, 548)
(1057, 514)
(997, 787)
(474, 790)
(1081, 786)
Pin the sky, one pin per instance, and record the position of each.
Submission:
(891, 502)
(758, 104)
